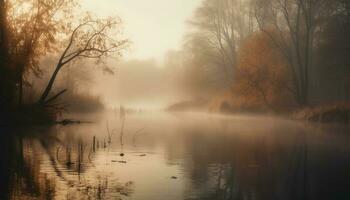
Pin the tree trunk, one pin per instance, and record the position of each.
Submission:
(3, 35)
(6, 78)
(20, 89)
(49, 85)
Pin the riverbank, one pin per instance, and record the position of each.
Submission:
(325, 113)
(32, 115)
(321, 113)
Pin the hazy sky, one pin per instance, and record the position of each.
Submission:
(154, 26)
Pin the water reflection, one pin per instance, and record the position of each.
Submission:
(175, 157)
(241, 167)
(20, 175)
(41, 163)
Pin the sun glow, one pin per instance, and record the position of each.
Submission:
(154, 27)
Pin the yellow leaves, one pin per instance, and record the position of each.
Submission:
(34, 26)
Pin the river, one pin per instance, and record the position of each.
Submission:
(174, 156)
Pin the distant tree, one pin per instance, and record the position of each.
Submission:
(262, 80)
(203, 72)
(221, 25)
(333, 39)
(295, 23)
(91, 38)
(333, 55)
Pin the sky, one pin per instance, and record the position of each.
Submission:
(153, 26)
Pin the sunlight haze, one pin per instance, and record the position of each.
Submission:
(154, 26)
(175, 99)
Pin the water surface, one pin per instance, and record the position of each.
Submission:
(161, 156)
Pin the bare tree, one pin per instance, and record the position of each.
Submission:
(223, 25)
(95, 39)
(291, 26)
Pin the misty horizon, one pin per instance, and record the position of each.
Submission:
(174, 99)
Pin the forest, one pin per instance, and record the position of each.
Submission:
(274, 55)
(277, 56)
(174, 99)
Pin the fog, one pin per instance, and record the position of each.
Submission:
(139, 84)
(154, 27)
(174, 99)
(212, 51)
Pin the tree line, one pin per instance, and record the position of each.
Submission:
(270, 53)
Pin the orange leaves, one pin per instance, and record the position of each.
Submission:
(261, 77)
(33, 27)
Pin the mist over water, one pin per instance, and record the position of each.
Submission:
(140, 84)
(173, 155)
(176, 156)
(174, 100)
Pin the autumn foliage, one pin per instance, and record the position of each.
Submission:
(262, 79)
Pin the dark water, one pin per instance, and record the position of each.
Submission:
(176, 156)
